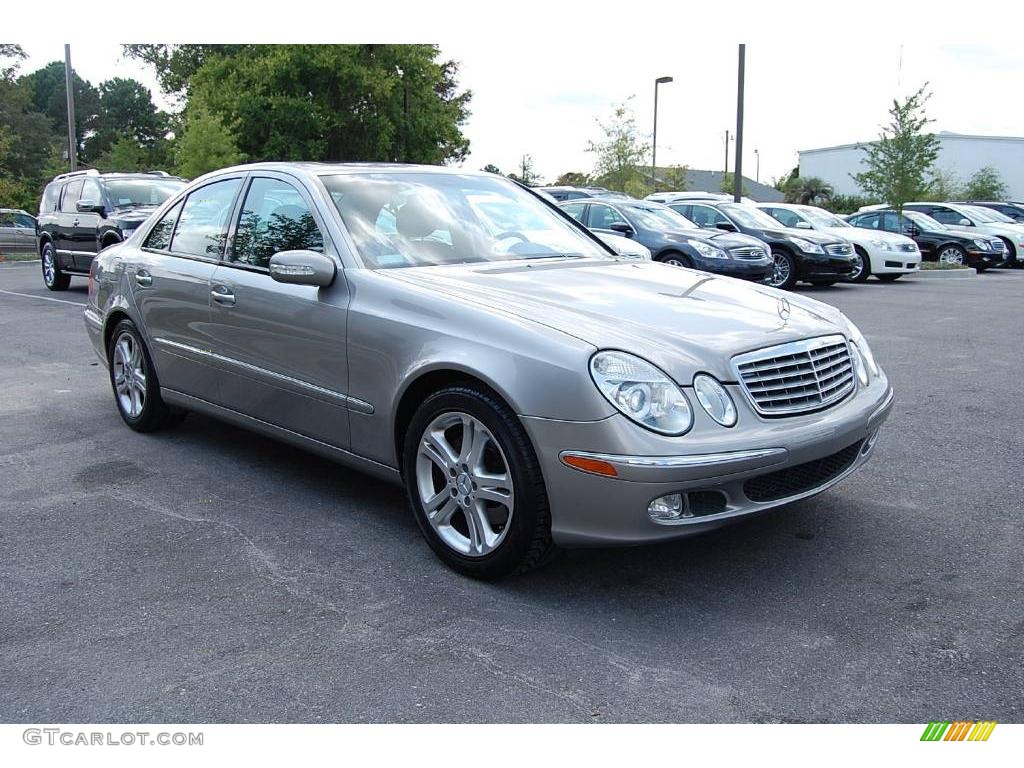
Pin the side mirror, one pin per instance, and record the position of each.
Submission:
(727, 226)
(302, 268)
(90, 206)
(802, 225)
(621, 227)
(965, 223)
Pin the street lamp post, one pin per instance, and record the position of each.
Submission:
(654, 137)
(757, 173)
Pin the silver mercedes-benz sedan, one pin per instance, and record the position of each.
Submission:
(454, 332)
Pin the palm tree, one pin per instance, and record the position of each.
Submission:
(808, 191)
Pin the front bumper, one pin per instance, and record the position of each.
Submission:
(745, 269)
(710, 461)
(814, 266)
(985, 258)
(885, 262)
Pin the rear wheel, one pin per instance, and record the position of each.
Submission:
(53, 277)
(783, 271)
(861, 267)
(475, 485)
(136, 389)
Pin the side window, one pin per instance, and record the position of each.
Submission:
(786, 218)
(891, 222)
(603, 216)
(50, 197)
(160, 236)
(868, 221)
(575, 210)
(6, 219)
(24, 220)
(274, 218)
(91, 191)
(706, 216)
(72, 194)
(203, 224)
(945, 216)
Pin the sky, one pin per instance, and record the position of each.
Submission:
(540, 87)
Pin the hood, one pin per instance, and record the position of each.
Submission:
(726, 240)
(821, 238)
(684, 321)
(1005, 228)
(971, 233)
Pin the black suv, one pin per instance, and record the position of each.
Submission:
(798, 254)
(83, 212)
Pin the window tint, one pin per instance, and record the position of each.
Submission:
(891, 222)
(275, 218)
(868, 221)
(575, 210)
(946, 216)
(50, 197)
(786, 217)
(603, 216)
(24, 220)
(91, 191)
(705, 216)
(72, 194)
(160, 236)
(203, 224)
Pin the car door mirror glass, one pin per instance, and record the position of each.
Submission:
(302, 268)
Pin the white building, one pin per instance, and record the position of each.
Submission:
(959, 154)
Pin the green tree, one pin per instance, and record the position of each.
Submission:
(527, 172)
(985, 184)
(491, 168)
(675, 177)
(324, 102)
(27, 141)
(124, 155)
(943, 185)
(48, 96)
(205, 145)
(572, 179)
(808, 190)
(900, 162)
(728, 185)
(126, 111)
(621, 153)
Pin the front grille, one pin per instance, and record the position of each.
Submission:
(998, 246)
(749, 252)
(839, 249)
(801, 478)
(797, 377)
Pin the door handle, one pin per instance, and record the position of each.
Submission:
(223, 295)
(143, 279)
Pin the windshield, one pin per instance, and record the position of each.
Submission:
(128, 192)
(749, 216)
(409, 219)
(658, 216)
(923, 220)
(988, 215)
(822, 218)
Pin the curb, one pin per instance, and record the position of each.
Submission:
(946, 274)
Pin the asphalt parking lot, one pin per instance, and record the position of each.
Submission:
(207, 574)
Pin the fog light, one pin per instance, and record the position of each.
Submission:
(668, 507)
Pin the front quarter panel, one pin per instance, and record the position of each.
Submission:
(399, 332)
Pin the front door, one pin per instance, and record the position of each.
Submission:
(170, 283)
(67, 220)
(281, 348)
(86, 226)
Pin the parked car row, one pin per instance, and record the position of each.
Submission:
(17, 232)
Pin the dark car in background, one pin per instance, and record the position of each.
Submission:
(937, 242)
(1015, 210)
(83, 212)
(797, 254)
(672, 239)
(17, 232)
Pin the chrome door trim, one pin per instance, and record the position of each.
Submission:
(352, 403)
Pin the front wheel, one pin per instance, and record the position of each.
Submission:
(861, 267)
(675, 260)
(475, 485)
(53, 277)
(952, 254)
(783, 271)
(136, 389)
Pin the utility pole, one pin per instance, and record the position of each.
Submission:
(757, 156)
(726, 150)
(737, 190)
(654, 138)
(69, 87)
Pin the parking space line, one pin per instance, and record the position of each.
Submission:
(45, 298)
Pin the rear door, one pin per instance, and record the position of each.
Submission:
(8, 237)
(25, 233)
(170, 281)
(281, 348)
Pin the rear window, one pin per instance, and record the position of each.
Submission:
(50, 196)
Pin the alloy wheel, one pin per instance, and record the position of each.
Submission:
(49, 271)
(858, 267)
(464, 484)
(130, 375)
(951, 256)
(780, 270)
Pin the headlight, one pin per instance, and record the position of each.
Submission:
(806, 245)
(708, 251)
(715, 399)
(982, 245)
(861, 352)
(641, 392)
(858, 365)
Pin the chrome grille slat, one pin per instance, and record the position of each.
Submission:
(797, 377)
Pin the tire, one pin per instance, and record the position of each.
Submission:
(512, 529)
(137, 396)
(864, 272)
(784, 273)
(676, 259)
(951, 254)
(889, 278)
(53, 277)
(1011, 254)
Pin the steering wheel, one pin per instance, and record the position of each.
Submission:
(511, 233)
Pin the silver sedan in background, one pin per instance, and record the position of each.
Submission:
(455, 333)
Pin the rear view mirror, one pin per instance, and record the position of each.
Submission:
(621, 227)
(302, 268)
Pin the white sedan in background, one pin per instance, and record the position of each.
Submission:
(883, 254)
